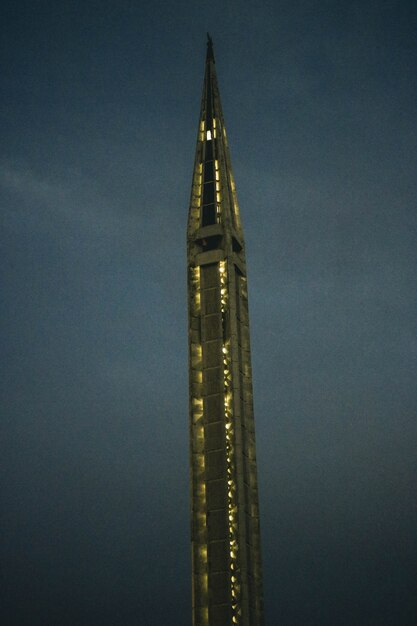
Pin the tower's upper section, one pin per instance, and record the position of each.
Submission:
(214, 221)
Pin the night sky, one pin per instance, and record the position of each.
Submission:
(99, 117)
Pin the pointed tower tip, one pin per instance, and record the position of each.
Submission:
(210, 53)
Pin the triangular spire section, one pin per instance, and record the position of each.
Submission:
(213, 200)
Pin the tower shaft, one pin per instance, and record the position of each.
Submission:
(226, 560)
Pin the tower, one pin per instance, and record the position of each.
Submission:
(226, 560)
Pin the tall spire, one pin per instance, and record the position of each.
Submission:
(218, 202)
(227, 580)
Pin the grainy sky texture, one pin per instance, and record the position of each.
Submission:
(99, 120)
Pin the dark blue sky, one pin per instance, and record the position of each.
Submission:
(99, 120)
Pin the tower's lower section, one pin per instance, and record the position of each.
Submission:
(227, 581)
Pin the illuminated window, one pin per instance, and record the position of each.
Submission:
(201, 131)
(208, 135)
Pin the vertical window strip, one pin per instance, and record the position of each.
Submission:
(201, 130)
(218, 198)
(199, 485)
(230, 454)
